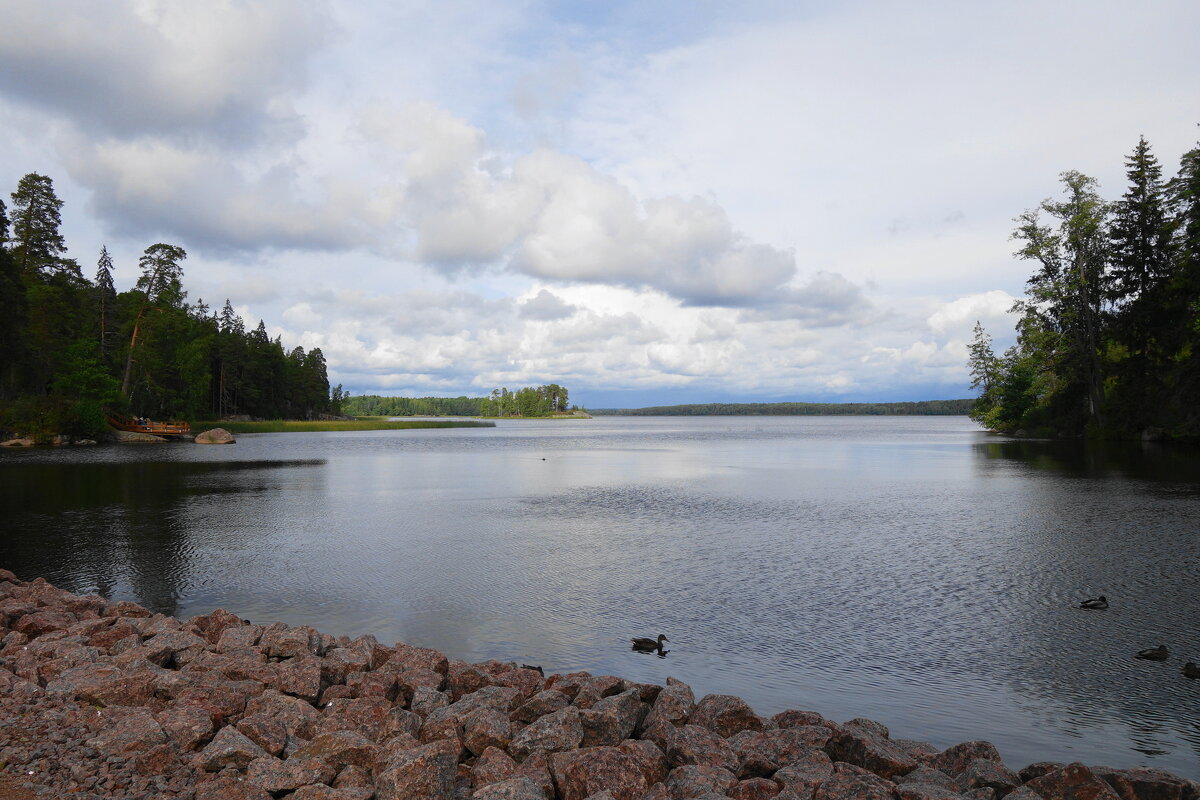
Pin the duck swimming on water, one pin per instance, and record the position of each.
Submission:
(1159, 653)
(1095, 602)
(1190, 670)
(646, 645)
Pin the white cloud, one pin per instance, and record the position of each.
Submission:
(961, 314)
(162, 67)
(545, 305)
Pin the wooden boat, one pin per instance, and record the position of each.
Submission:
(172, 428)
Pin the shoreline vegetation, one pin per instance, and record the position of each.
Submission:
(547, 401)
(76, 351)
(102, 698)
(334, 425)
(921, 408)
(1108, 340)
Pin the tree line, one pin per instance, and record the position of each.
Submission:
(1108, 341)
(531, 401)
(926, 408)
(75, 350)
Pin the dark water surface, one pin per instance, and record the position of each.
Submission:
(909, 569)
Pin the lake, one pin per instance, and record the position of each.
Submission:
(914, 570)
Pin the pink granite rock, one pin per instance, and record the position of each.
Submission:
(539, 705)
(696, 780)
(339, 749)
(760, 753)
(862, 746)
(725, 715)
(278, 776)
(754, 789)
(553, 733)
(849, 782)
(579, 774)
(693, 744)
(804, 775)
(674, 705)
(422, 773)
(229, 748)
(492, 766)
(1072, 782)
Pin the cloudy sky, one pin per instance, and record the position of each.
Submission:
(647, 202)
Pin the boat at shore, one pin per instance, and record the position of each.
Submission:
(153, 427)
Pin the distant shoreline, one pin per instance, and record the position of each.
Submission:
(316, 426)
(926, 408)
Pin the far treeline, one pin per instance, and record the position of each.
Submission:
(1108, 343)
(75, 349)
(532, 401)
(926, 408)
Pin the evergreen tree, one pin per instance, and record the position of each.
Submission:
(1066, 292)
(983, 363)
(13, 313)
(1140, 237)
(105, 293)
(37, 244)
(1140, 234)
(160, 286)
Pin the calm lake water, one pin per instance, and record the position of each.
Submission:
(914, 570)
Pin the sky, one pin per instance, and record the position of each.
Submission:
(646, 202)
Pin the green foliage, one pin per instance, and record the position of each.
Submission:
(539, 401)
(70, 349)
(924, 408)
(300, 426)
(37, 245)
(1108, 326)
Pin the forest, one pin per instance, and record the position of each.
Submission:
(76, 350)
(531, 401)
(1108, 337)
(927, 407)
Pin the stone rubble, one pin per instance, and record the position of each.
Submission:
(103, 699)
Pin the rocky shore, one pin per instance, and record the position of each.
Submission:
(103, 699)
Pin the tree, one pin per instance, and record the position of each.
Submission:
(1140, 233)
(37, 244)
(13, 313)
(106, 293)
(160, 284)
(1140, 239)
(1066, 292)
(983, 362)
(336, 398)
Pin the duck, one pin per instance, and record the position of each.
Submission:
(646, 645)
(1190, 670)
(1159, 653)
(1095, 602)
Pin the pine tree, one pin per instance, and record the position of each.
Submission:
(160, 285)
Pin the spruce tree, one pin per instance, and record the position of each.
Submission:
(1140, 238)
(106, 293)
(38, 246)
(1140, 233)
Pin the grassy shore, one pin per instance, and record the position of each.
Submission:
(358, 424)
